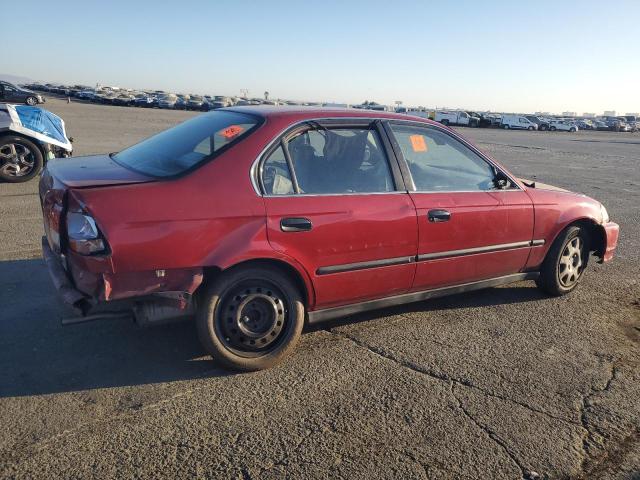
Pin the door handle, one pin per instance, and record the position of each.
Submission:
(295, 224)
(438, 216)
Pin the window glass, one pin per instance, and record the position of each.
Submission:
(344, 160)
(276, 176)
(439, 162)
(186, 145)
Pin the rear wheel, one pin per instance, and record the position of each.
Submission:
(565, 262)
(250, 318)
(530, 128)
(20, 159)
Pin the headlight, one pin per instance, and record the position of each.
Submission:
(83, 234)
(604, 213)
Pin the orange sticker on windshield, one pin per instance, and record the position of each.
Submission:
(231, 131)
(417, 143)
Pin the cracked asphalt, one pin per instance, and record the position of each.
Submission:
(501, 383)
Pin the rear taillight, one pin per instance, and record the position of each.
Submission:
(83, 234)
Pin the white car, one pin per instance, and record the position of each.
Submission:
(563, 126)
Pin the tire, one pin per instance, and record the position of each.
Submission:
(573, 130)
(20, 159)
(530, 128)
(506, 127)
(543, 127)
(565, 263)
(245, 308)
(31, 101)
(552, 128)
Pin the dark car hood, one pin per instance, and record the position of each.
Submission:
(93, 171)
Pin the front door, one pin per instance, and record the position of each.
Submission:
(334, 204)
(474, 222)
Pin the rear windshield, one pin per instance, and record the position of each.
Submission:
(188, 144)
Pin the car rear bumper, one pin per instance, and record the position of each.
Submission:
(62, 281)
(612, 230)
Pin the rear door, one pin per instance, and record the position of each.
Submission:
(336, 204)
(469, 229)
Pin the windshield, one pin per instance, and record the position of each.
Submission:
(188, 144)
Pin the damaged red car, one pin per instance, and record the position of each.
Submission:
(256, 221)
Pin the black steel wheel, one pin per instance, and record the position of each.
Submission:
(250, 318)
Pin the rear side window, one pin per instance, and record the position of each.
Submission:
(188, 144)
(340, 160)
(276, 176)
(440, 163)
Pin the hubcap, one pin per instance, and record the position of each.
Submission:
(16, 160)
(571, 266)
(252, 317)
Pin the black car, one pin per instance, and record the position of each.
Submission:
(10, 93)
(542, 124)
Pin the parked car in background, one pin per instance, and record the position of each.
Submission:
(600, 125)
(541, 123)
(484, 119)
(10, 93)
(460, 118)
(614, 123)
(633, 122)
(124, 99)
(517, 122)
(167, 101)
(29, 138)
(585, 124)
(196, 102)
(240, 205)
(563, 126)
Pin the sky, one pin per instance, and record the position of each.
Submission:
(581, 56)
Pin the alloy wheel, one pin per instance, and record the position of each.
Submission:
(570, 264)
(16, 160)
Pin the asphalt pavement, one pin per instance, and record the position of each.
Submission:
(501, 383)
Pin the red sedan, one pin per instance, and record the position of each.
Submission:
(259, 220)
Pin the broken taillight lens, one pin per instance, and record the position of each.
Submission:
(83, 234)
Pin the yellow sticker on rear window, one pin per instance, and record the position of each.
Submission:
(417, 143)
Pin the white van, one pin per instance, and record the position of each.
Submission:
(518, 122)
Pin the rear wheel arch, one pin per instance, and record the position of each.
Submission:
(304, 286)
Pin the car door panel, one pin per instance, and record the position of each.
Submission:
(488, 235)
(477, 229)
(359, 247)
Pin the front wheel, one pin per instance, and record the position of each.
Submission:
(32, 101)
(250, 318)
(565, 262)
(553, 129)
(530, 128)
(20, 159)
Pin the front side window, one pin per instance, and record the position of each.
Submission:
(186, 145)
(440, 163)
(331, 161)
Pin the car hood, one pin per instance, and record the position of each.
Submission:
(93, 171)
(543, 186)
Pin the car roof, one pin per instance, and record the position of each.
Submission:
(294, 112)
